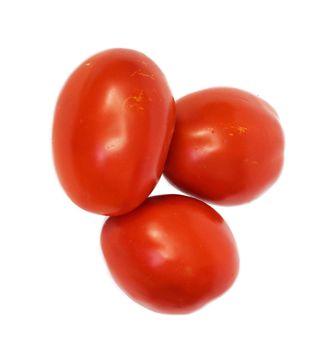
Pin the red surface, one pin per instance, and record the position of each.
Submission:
(113, 124)
(173, 254)
(227, 147)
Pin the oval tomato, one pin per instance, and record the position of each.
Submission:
(172, 254)
(113, 124)
(227, 147)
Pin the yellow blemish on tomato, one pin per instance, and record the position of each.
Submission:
(142, 74)
(253, 162)
(235, 129)
(135, 101)
(242, 129)
(188, 271)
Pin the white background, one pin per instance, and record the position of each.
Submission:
(55, 290)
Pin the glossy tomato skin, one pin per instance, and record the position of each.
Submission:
(173, 254)
(112, 127)
(228, 146)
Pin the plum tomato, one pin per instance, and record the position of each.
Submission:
(113, 124)
(173, 254)
(227, 148)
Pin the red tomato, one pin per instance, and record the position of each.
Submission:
(173, 254)
(112, 128)
(227, 147)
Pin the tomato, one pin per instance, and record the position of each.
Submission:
(112, 127)
(227, 147)
(173, 254)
